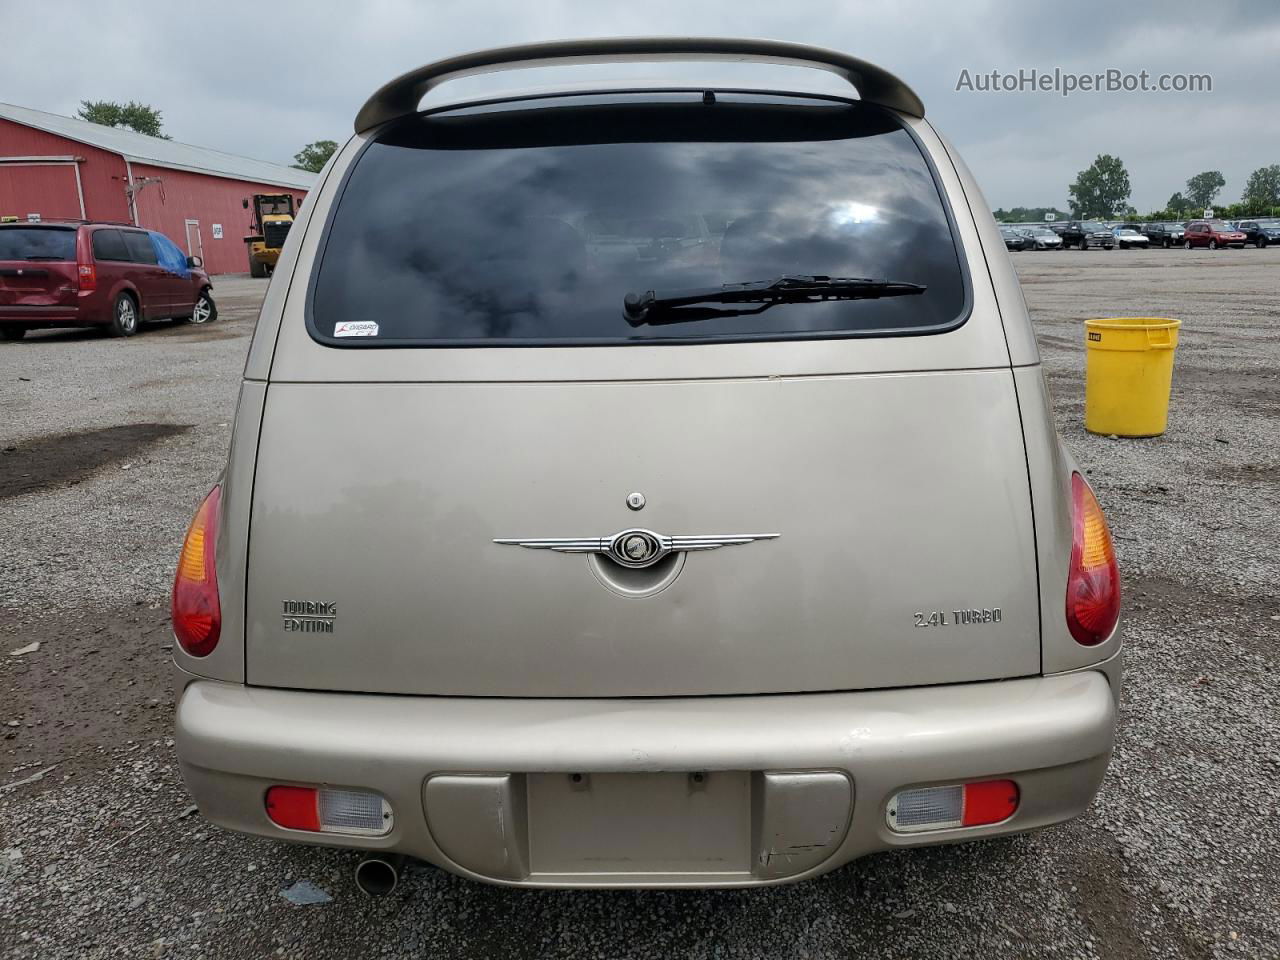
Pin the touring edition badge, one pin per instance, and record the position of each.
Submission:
(309, 616)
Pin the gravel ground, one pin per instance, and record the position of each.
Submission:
(109, 445)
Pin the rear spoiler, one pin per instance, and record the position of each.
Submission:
(400, 97)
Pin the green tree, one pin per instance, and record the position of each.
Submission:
(1203, 187)
(132, 115)
(1027, 214)
(1262, 190)
(1101, 190)
(314, 156)
(1178, 206)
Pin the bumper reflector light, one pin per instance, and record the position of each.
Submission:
(326, 810)
(949, 807)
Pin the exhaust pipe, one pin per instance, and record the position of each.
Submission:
(377, 876)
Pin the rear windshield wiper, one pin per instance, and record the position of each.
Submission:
(680, 306)
(43, 256)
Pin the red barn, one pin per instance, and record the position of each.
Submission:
(58, 168)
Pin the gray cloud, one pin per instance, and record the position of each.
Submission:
(263, 80)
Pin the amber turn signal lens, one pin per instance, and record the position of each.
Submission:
(1093, 581)
(196, 612)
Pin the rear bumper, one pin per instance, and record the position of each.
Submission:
(43, 316)
(477, 783)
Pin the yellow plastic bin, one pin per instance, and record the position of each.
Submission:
(1128, 374)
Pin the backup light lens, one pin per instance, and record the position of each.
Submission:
(326, 810)
(1093, 582)
(953, 806)
(87, 276)
(196, 612)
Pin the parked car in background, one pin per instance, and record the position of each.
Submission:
(1163, 234)
(1128, 238)
(1087, 233)
(1214, 234)
(663, 669)
(1013, 239)
(1042, 238)
(114, 276)
(1260, 232)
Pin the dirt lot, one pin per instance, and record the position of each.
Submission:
(108, 445)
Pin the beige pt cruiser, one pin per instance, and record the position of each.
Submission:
(651, 486)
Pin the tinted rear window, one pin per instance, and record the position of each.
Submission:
(139, 245)
(531, 226)
(43, 243)
(109, 245)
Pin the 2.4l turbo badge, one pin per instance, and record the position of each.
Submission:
(944, 618)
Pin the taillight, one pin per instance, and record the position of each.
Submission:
(976, 804)
(1093, 582)
(328, 810)
(87, 276)
(197, 615)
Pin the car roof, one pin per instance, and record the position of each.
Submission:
(71, 224)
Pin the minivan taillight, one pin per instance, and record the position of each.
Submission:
(87, 276)
(197, 615)
(1093, 581)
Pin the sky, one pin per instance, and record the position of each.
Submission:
(262, 80)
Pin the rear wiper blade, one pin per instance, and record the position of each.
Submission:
(654, 307)
(41, 256)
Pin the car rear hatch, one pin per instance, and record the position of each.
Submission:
(37, 266)
(461, 375)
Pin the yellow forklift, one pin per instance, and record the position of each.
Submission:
(272, 217)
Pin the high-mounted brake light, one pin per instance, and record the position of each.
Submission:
(197, 614)
(1093, 582)
(87, 277)
(956, 805)
(326, 810)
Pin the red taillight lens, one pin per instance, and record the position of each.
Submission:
(989, 801)
(87, 275)
(197, 615)
(297, 808)
(1093, 582)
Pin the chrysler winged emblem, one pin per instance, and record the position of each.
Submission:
(637, 548)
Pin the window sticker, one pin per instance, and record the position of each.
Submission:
(356, 328)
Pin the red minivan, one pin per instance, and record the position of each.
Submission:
(96, 274)
(1212, 234)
